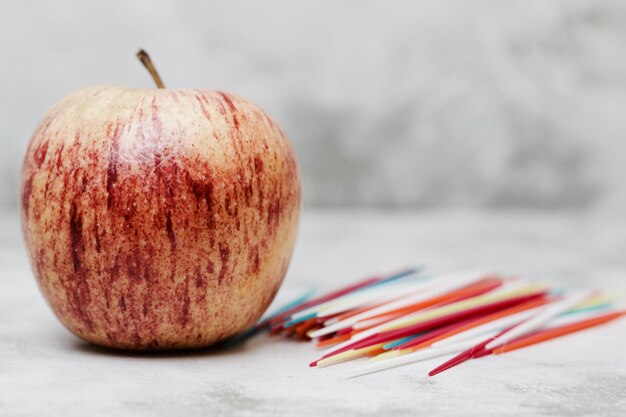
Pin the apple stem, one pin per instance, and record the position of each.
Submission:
(147, 62)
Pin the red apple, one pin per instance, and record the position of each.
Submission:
(159, 218)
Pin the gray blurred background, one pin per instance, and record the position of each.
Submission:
(407, 104)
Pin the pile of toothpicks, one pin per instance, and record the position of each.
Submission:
(413, 315)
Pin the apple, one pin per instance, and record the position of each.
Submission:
(158, 218)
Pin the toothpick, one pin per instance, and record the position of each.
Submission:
(559, 331)
(540, 319)
(418, 356)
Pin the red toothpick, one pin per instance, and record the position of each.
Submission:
(472, 290)
(473, 352)
(436, 333)
(521, 329)
(345, 331)
(275, 321)
(559, 331)
(474, 322)
(479, 350)
(389, 335)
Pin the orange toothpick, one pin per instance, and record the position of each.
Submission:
(334, 340)
(469, 291)
(486, 319)
(555, 332)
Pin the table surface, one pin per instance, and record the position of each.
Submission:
(44, 370)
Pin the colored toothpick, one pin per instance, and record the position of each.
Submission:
(410, 315)
(521, 329)
(555, 332)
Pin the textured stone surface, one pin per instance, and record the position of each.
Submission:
(159, 218)
(46, 371)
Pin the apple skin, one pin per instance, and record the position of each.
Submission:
(158, 219)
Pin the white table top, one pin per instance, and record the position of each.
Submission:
(45, 371)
